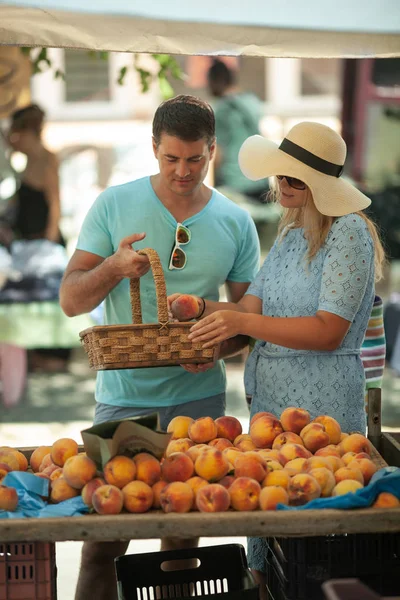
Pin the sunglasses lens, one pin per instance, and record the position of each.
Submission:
(297, 184)
(183, 235)
(178, 259)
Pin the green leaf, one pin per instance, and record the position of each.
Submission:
(165, 87)
(59, 75)
(25, 51)
(123, 71)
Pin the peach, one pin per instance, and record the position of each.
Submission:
(196, 483)
(332, 428)
(138, 497)
(244, 442)
(119, 471)
(317, 462)
(295, 419)
(250, 465)
(179, 427)
(61, 490)
(79, 470)
(148, 468)
(63, 449)
(195, 450)
(314, 436)
(107, 500)
(157, 489)
(271, 496)
(4, 469)
(261, 414)
(295, 466)
(211, 465)
(362, 455)
(227, 481)
(8, 457)
(280, 478)
(185, 307)
(177, 467)
(180, 445)
(346, 486)
(290, 451)
(303, 488)
(231, 454)
(203, 430)
(326, 480)
(213, 497)
(245, 493)
(8, 498)
(37, 456)
(348, 457)
(273, 465)
(386, 500)
(50, 470)
(228, 427)
(89, 489)
(356, 443)
(46, 462)
(343, 435)
(58, 472)
(177, 497)
(268, 454)
(366, 466)
(334, 462)
(349, 473)
(221, 443)
(329, 450)
(264, 430)
(287, 437)
(22, 460)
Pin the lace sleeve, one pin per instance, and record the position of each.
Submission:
(347, 268)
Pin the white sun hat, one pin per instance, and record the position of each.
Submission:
(313, 153)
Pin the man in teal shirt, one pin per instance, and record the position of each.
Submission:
(223, 249)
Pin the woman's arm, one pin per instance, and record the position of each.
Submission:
(52, 192)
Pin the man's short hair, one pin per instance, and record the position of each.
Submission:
(186, 117)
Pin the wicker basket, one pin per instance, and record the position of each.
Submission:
(159, 344)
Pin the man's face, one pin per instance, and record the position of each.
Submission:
(183, 165)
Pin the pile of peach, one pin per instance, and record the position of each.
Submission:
(211, 466)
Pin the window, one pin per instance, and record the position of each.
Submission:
(320, 77)
(87, 78)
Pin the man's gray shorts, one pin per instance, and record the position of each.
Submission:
(213, 406)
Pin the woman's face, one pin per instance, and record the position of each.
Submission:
(292, 197)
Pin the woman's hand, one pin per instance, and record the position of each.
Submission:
(217, 327)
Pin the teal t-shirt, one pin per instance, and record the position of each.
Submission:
(224, 247)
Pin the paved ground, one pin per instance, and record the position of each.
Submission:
(61, 405)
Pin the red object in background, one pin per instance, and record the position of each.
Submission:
(197, 67)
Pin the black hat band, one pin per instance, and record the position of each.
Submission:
(310, 159)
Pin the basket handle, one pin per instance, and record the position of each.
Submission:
(161, 290)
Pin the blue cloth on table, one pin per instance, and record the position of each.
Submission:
(384, 480)
(30, 489)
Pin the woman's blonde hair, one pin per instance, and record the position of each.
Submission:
(317, 226)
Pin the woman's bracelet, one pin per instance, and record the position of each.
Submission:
(201, 313)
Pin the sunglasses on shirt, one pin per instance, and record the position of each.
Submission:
(294, 183)
(178, 257)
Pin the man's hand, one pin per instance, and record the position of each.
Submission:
(177, 317)
(217, 327)
(127, 262)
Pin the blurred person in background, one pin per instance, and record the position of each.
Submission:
(36, 205)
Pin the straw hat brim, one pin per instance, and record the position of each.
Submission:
(333, 196)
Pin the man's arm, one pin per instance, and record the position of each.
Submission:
(89, 278)
(235, 292)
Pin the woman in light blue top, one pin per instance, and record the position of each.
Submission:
(310, 303)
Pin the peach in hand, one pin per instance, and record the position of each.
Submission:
(37, 457)
(264, 431)
(245, 494)
(179, 426)
(63, 449)
(138, 497)
(79, 470)
(303, 488)
(119, 471)
(203, 430)
(177, 467)
(271, 496)
(177, 497)
(107, 500)
(148, 468)
(89, 489)
(295, 419)
(213, 497)
(8, 498)
(185, 307)
(228, 427)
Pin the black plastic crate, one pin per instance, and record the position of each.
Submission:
(297, 567)
(221, 570)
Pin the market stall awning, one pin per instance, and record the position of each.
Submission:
(281, 28)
